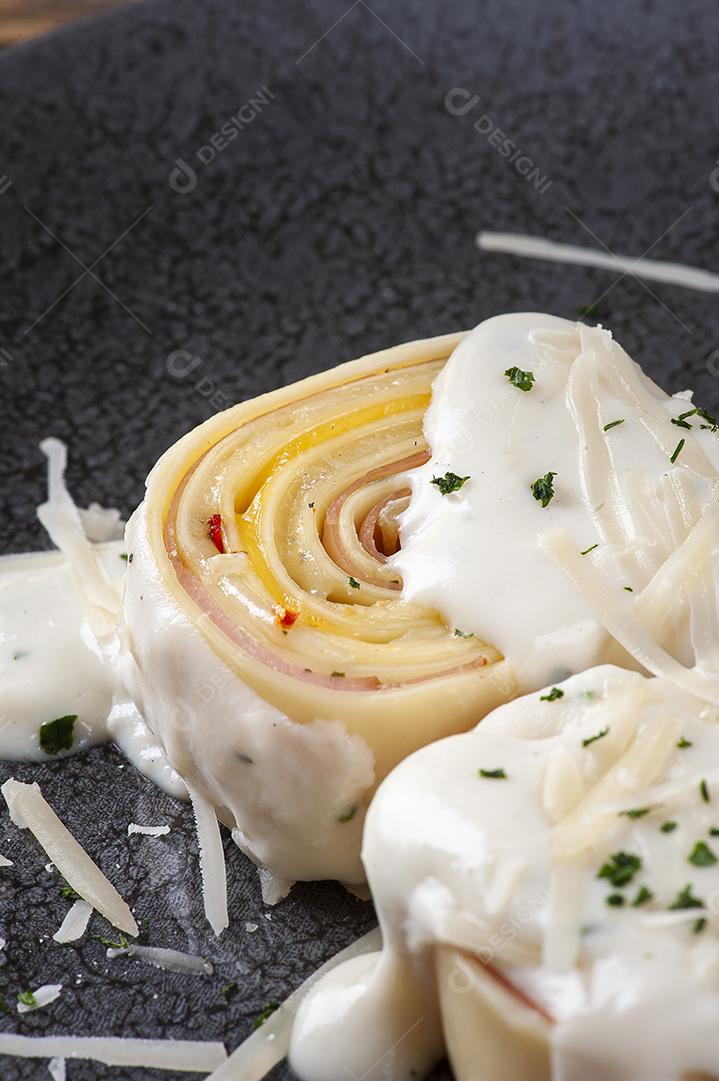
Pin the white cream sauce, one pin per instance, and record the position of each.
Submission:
(491, 866)
(51, 663)
(58, 649)
(475, 554)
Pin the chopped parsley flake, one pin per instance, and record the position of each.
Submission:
(621, 868)
(353, 583)
(612, 424)
(518, 378)
(543, 489)
(347, 816)
(70, 893)
(636, 812)
(27, 998)
(680, 423)
(643, 895)
(699, 925)
(588, 550)
(714, 832)
(711, 422)
(266, 1014)
(110, 945)
(57, 735)
(449, 483)
(684, 743)
(553, 695)
(593, 739)
(677, 451)
(668, 827)
(628, 589)
(685, 899)
(462, 634)
(493, 774)
(704, 792)
(123, 555)
(338, 675)
(615, 900)
(229, 990)
(246, 758)
(702, 855)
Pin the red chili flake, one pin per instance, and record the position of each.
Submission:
(215, 532)
(286, 617)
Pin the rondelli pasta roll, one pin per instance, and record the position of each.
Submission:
(266, 640)
(547, 887)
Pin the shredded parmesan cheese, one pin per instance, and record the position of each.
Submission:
(212, 862)
(56, 1069)
(75, 923)
(150, 831)
(170, 960)
(43, 997)
(188, 1056)
(29, 809)
(62, 520)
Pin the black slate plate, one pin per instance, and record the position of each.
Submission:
(340, 219)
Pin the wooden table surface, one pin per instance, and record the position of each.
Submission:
(22, 19)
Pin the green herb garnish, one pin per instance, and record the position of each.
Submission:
(685, 899)
(643, 895)
(518, 378)
(462, 634)
(699, 925)
(704, 792)
(27, 998)
(683, 743)
(621, 868)
(493, 774)
(110, 945)
(677, 451)
(347, 816)
(229, 990)
(615, 900)
(123, 555)
(593, 739)
(588, 550)
(70, 893)
(353, 583)
(543, 489)
(637, 812)
(668, 827)
(711, 422)
(612, 424)
(553, 695)
(338, 675)
(680, 423)
(57, 735)
(702, 855)
(266, 1013)
(449, 483)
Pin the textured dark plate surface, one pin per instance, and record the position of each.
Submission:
(341, 219)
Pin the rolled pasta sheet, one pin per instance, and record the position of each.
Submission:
(266, 639)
